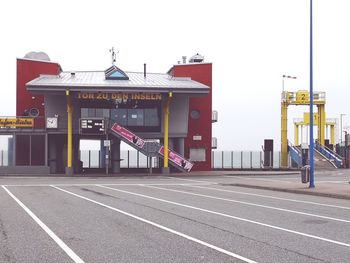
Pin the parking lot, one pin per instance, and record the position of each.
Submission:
(167, 219)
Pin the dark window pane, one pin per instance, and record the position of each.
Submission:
(99, 113)
(22, 149)
(119, 116)
(135, 117)
(84, 113)
(91, 113)
(38, 149)
(151, 117)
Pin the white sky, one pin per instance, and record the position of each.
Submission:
(251, 43)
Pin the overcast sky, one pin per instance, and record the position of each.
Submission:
(251, 43)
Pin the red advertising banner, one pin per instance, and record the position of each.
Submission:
(128, 135)
(177, 159)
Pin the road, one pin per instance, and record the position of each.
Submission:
(167, 219)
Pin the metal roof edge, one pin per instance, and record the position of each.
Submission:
(120, 89)
(39, 60)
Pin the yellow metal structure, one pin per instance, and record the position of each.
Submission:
(301, 97)
(166, 130)
(331, 123)
(69, 131)
(284, 131)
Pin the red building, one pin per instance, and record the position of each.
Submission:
(144, 110)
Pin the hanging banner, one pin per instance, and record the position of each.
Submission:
(128, 135)
(177, 159)
(17, 122)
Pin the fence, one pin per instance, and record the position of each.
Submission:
(243, 160)
(128, 159)
(220, 159)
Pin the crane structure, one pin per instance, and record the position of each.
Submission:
(300, 97)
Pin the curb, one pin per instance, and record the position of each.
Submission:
(294, 191)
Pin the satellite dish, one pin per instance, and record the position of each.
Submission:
(37, 56)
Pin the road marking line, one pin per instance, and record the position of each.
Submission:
(264, 179)
(190, 180)
(271, 197)
(48, 231)
(251, 204)
(230, 216)
(133, 184)
(161, 227)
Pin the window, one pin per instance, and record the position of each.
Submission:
(98, 112)
(195, 114)
(151, 117)
(119, 116)
(135, 117)
(197, 154)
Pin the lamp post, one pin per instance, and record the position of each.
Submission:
(341, 128)
(312, 178)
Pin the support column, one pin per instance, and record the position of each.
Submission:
(301, 134)
(296, 134)
(284, 131)
(332, 135)
(69, 168)
(115, 155)
(321, 124)
(166, 110)
(181, 145)
(102, 163)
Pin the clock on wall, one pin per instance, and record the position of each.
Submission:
(51, 122)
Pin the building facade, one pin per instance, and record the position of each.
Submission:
(162, 115)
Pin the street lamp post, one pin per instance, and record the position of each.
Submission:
(312, 178)
(341, 128)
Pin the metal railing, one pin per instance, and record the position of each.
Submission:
(128, 159)
(220, 160)
(330, 155)
(243, 160)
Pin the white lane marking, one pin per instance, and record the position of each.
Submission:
(264, 179)
(230, 216)
(251, 204)
(48, 231)
(191, 180)
(271, 197)
(229, 253)
(333, 182)
(46, 185)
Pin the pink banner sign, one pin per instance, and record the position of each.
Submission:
(128, 135)
(177, 159)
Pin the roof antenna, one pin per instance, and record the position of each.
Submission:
(113, 55)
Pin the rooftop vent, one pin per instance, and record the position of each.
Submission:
(197, 58)
(37, 56)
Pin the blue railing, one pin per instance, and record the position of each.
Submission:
(295, 155)
(330, 155)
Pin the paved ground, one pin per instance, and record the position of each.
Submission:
(171, 219)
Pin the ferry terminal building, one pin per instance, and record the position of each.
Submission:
(162, 115)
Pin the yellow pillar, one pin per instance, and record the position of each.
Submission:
(69, 168)
(321, 124)
(284, 131)
(332, 135)
(166, 133)
(296, 134)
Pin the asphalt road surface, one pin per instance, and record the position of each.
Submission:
(166, 219)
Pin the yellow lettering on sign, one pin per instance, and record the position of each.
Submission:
(115, 96)
(16, 122)
(302, 97)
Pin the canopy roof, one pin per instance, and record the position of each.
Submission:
(117, 80)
